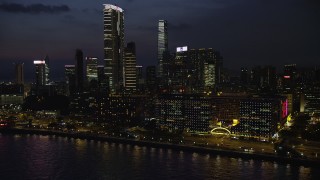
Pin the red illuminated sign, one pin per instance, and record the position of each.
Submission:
(285, 108)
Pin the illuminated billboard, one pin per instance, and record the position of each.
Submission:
(39, 62)
(182, 49)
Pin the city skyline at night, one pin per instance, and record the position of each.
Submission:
(171, 89)
(245, 32)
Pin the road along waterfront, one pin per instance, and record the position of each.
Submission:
(179, 147)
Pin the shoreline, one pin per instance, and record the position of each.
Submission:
(187, 148)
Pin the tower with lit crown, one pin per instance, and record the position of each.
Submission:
(113, 21)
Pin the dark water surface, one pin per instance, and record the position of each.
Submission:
(52, 157)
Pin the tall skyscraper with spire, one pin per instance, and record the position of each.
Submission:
(113, 19)
(162, 43)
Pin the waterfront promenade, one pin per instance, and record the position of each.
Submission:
(179, 147)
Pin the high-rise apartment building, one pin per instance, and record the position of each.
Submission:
(130, 69)
(92, 68)
(114, 46)
(19, 73)
(162, 43)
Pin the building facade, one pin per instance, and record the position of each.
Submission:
(130, 69)
(92, 68)
(182, 112)
(162, 43)
(260, 117)
(113, 19)
(41, 74)
(206, 67)
(11, 94)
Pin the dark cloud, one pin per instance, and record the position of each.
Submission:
(33, 8)
(69, 17)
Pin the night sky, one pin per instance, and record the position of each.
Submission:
(246, 32)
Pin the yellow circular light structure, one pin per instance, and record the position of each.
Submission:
(220, 128)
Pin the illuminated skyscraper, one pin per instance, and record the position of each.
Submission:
(92, 68)
(114, 46)
(162, 43)
(40, 72)
(19, 73)
(130, 69)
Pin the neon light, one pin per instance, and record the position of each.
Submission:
(285, 108)
(219, 128)
(286, 77)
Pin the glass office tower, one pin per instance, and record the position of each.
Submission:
(162, 43)
(114, 46)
